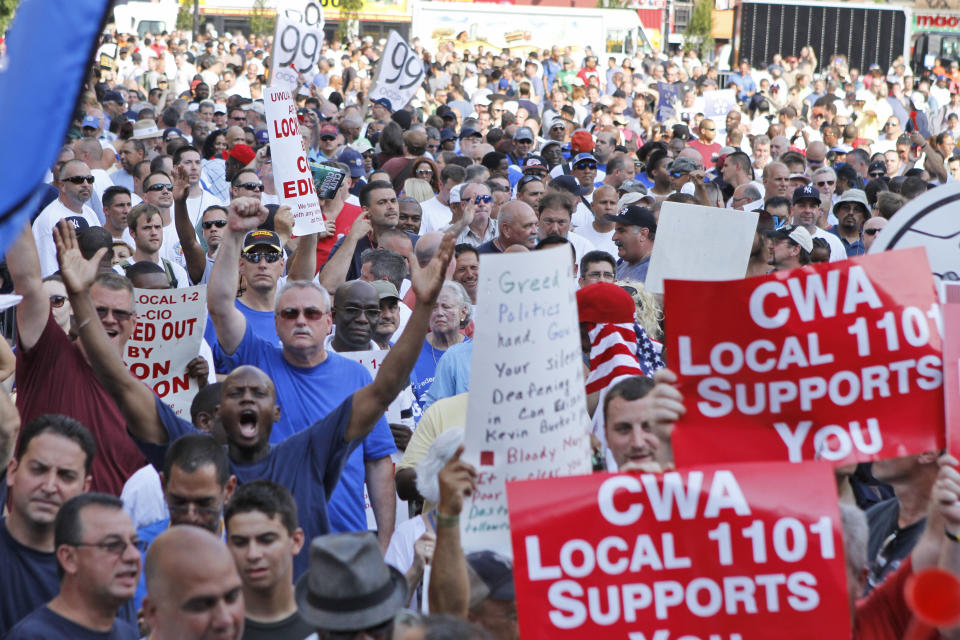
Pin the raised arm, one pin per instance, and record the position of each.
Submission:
(449, 590)
(192, 251)
(9, 426)
(135, 401)
(243, 215)
(23, 262)
(334, 273)
(371, 401)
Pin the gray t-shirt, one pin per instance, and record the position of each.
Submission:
(638, 271)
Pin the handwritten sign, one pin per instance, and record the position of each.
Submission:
(165, 339)
(526, 415)
(297, 44)
(400, 72)
(291, 170)
(838, 361)
(700, 243)
(732, 552)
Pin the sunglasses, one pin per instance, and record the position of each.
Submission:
(871, 232)
(877, 174)
(677, 174)
(292, 313)
(424, 172)
(251, 186)
(80, 179)
(160, 187)
(57, 301)
(589, 166)
(328, 138)
(120, 315)
(484, 199)
(255, 258)
(824, 183)
(219, 224)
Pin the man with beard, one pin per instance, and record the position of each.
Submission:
(75, 183)
(852, 210)
(308, 462)
(790, 247)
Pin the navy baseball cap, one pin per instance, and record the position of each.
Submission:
(636, 216)
(353, 160)
(806, 192)
(469, 133)
(496, 572)
(447, 134)
(385, 103)
(569, 184)
(580, 157)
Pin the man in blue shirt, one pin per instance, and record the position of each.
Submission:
(308, 463)
(634, 235)
(852, 210)
(743, 80)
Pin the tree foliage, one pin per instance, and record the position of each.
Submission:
(185, 15)
(262, 21)
(699, 29)
(349, 17)
(7, 9)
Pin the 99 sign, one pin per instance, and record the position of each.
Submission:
(407, 68)
(298, 37)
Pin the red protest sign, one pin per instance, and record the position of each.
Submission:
(951, 365)
(839, 361)
(718, 552)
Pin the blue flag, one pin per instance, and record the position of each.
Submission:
(49, 49)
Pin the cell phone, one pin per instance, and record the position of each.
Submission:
(328, 181)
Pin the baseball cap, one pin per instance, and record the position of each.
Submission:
(636, 216)
(533, 163)
(352, 159)
(385, 289)
(91, 122)
(262, 136)
(219, 107)
(582, 157)
(581, 141)
(455, 193)
(806, 192)
(878, 165)
(328, 130)
(113, 96)
(569, 184)
(361, 145)
(385, 103)
(631, 185)
(496, 572)
(524, 133)
(682, 165)
(447, 134)
(79, 223)
(242, 153)
(796, 233)
(853, 195)
(470, 133)
(262, 238)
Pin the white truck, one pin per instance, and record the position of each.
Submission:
(138, 17)
(615, 33)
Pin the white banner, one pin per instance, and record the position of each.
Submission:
(291, 171)
(297, 42)
(700, 243)
(400, 73)
(167, 337)
(527, 416)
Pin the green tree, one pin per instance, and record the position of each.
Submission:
(7, 9)
(349, 17)
(699, 29)
(262, 20)
(185, 15)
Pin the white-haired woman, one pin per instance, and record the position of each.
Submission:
(451, 314)
(411, 547)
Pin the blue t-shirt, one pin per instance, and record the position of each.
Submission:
(28, 579)
(424, 371)
(44, 624)
(308, 464)
(452, 375)
(146, 536)
(261, 322)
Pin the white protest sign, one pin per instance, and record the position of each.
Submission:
(700, 243)
(400, 72)
(167, 337)
(291, 170)
(527, 416)
(717, 104)
(297, 42)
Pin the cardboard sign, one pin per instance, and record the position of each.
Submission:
(291, 170)
(838, 361)
(400, 72)
(707, 553)
(297, 43)
(700, 243)
(526, 415)
(951, 365)
(167, 337)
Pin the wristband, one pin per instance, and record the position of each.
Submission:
(951, 537)
(454, 521)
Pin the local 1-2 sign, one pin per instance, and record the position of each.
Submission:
(725, 552)
(838, 361)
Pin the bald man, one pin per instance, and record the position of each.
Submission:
(816, 156)
(776, 180)
(193, 588)
(518, 225)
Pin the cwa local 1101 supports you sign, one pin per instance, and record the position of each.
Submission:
(526, 415)
(839, 361)
(731, 552)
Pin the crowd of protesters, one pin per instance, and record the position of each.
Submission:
(124, 520)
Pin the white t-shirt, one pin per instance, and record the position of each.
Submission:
(43, 232)
(196, 206)
(601, 241)
(436, 216)
(581, 246)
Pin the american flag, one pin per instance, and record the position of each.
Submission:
(618, 351)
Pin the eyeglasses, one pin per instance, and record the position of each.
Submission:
(115, 547)
(57, 301)
(120, 315)
(256, 257)
(871, 232)
(350, 313)
(600, 275)
(424, 172)
(219, 224)
(310, 313)
(160, 187)
(484, 199)
(80, 179)
(589, 166)
(251, 186)
(824, 183)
